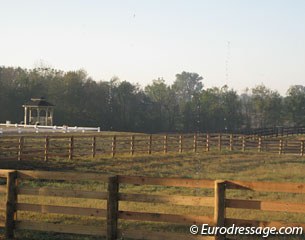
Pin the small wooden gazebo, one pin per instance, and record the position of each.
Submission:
(38, 111)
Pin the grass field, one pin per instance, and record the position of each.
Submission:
(213, 165)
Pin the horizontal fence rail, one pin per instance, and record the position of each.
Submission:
(74, 146)
(221, 201)
(21, 128)
(274, 131)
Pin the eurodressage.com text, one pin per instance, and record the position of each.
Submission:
(205, 229)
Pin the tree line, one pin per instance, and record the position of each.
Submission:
(184, 106)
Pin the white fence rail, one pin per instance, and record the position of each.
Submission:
(21, 128)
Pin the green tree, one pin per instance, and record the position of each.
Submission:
(187, 88)
(164, 105)
(295, 105)
(246, 109)
(187, 85)
(211, 111)
(267, 105)
(231, 109)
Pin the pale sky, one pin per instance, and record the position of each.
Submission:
(235, 42)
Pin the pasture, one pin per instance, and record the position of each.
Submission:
(229, 165)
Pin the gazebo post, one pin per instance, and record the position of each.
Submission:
(30, 115)
(38, 115)
(46, 120)
(25, 115)
(51, 115)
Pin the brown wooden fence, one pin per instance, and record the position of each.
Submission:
(274, 131)
(48, 147)
(119, 189)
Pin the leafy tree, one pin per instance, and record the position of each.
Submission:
(267, 106)
(211, 110)
(123, 106)
(158, 93)
(187, 85)
(246, 109)
(187, 88)
(164, 105)
(295, 105)
(231, 109)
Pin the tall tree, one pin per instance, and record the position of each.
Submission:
(212, 118)
(187, 88)
(116, 105)
(165, 105)
(231, 105)
(267, 106)
(187, 85)
(295, 105)
(246, 109)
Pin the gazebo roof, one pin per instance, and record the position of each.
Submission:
(38, 102)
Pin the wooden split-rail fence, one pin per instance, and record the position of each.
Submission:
(105, 219)
(54, 146)
(274, 131)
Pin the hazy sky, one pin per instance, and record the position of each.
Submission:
(235, 42)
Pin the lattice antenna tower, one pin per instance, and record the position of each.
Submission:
(110, 100)
(228, 61)
(198, 114)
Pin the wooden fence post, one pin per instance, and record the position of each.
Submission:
(71, 148)
(219, 206)
(219, 142)
(46, 148)
(150, 144)
(132, 144)
(222, 141)
(93, 146)
(112, 208)
(180, 143)
(20, 147)
(165, 144)
(208, 143)
(113, 146)
(281, 146)
(231, 142)
(195, 143)
(259, 146)
(11, 197)
(243, 143)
